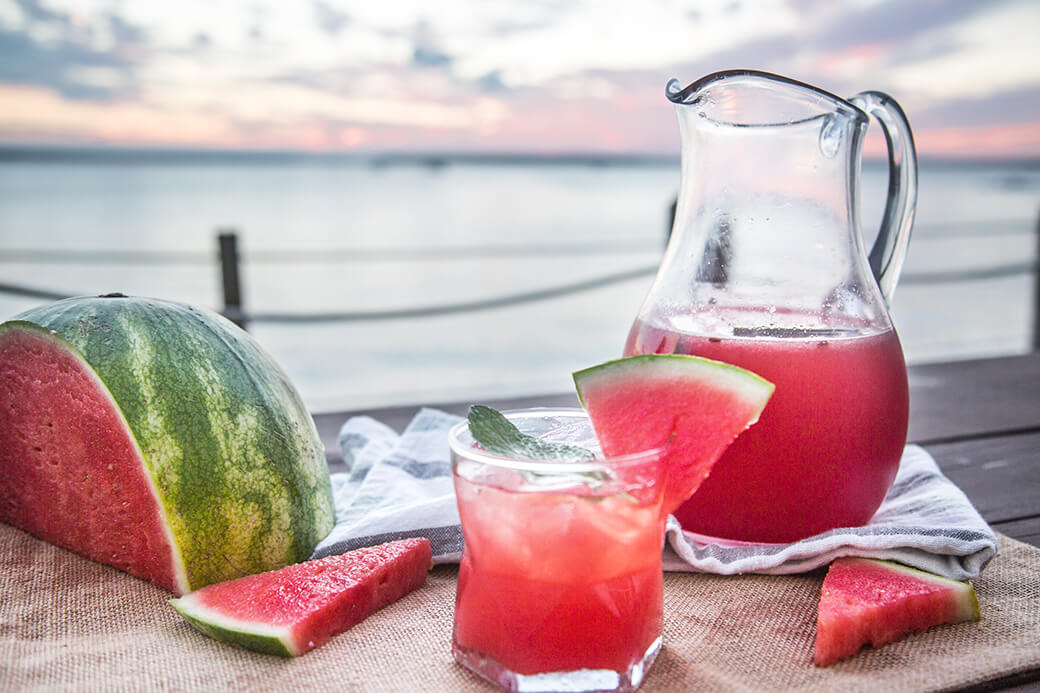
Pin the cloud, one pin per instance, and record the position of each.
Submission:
(63, 67)
(546, 73)
(343, 80)
(427, 51)
(36, 12)
(895, 21)
(768, 53)
(95, 61)
(124, 33)
(491, 82)
(330, 20)
(1009, 108)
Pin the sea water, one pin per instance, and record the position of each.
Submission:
(379, 245)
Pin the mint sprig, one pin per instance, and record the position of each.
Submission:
(498, 435)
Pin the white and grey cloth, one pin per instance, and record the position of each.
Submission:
(400, 486)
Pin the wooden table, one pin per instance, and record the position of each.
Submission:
(67, 623)
(979, 419)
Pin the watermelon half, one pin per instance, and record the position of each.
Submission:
(696, 406)
(297, 608)
(871, 602)
(157, 438)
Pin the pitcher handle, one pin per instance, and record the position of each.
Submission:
(889, 251)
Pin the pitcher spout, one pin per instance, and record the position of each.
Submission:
(756, 98)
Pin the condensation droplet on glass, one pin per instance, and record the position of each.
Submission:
(831, 135)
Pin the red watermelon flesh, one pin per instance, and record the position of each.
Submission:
(865, 601)
(54, 408)
(695, 406)
(297, 608)
(158, 438)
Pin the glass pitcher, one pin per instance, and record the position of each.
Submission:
(766, 269)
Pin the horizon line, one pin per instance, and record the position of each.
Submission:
(56, 153)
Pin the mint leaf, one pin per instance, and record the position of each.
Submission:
(497, 434)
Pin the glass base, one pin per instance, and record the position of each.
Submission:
(577, 681)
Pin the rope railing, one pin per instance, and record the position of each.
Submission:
(229, 259)
(117, 256)
(327, 256)
(31, 292)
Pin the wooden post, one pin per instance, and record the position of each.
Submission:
(1036, 289)
(227, 240)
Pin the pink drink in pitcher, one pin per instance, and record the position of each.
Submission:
(825, 450)
(766, 268)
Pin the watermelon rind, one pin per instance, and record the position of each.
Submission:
(967, 601)
(292, 610)
(178, 574)
(861, 606)
(693, 406)
(740, 380)
(231, 450)
(259, 637)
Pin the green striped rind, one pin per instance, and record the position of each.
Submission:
(733, 378)
(234, 454)
(258, 637)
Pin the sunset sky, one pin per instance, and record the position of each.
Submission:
(527, 76)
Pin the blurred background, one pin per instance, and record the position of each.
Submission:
(456, 200)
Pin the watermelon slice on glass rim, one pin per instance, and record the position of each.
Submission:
(695, 406)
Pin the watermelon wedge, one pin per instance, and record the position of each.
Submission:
(294, 609)
(866, 601)
(695, 405)
(157, 438)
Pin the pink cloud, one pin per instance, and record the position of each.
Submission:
(633, 120)
(1020, 141)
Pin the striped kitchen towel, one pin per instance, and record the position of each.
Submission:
(400, 486)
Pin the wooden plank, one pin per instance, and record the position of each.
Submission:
(963, 399)
(1001, 476)
(948, 401)
(980, 419)
(1027, 530)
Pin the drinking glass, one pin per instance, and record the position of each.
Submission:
(560, 583)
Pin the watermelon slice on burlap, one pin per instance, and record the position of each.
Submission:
(871, 602)
(297, 608)
(695, 406)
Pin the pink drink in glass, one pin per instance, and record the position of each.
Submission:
(826, 448)
(560, 587)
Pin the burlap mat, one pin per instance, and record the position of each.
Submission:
(69, 624)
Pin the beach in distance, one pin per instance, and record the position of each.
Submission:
(409, 263)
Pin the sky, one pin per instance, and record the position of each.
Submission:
(522, 76)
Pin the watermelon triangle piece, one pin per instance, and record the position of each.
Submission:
(872, 602)
(696, 406)
(294, 609)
